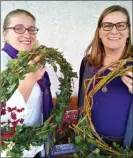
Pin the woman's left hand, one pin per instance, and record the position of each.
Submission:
(128, 80)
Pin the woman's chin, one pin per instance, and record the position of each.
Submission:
(26, 48)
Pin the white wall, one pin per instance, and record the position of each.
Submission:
(67, 25)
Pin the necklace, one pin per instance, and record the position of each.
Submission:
(104, 89)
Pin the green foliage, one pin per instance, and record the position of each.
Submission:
(16, 69)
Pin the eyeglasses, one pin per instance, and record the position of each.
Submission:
(20, 29)
(120, 26)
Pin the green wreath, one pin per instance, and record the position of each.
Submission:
(23, 137)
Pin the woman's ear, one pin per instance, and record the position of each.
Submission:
(99, 32)
(4, 35)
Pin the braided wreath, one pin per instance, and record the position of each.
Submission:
(85, 129)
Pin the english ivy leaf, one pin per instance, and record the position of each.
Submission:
(55, 68)
(11, 88)
(78, 139)
(58, 119)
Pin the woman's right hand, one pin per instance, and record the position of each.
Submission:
(37, 75)
(25, 87)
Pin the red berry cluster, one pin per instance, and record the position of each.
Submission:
(59, 130)
(12, 111)
(10, 123)
(71, 117)
(9, 134)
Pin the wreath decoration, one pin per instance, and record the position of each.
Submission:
(15, 138)
(85, 129)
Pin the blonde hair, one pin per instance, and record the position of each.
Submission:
(15, 13)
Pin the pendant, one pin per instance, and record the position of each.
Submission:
(104, 89)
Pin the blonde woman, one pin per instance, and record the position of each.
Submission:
(19, 33)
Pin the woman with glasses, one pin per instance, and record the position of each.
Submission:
(111, 104)
(19, 33)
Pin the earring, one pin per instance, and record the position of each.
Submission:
(127, 40)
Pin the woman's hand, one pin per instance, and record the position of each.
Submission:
(37, 75)
(128, 80)
(25, 87)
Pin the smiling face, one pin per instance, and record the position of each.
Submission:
(20, 41)
(114, 39)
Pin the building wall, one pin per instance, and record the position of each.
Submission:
(66, 25)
